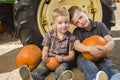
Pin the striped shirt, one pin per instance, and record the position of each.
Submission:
(58, 46)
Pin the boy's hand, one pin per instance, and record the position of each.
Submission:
(102, 48)
(45, 58)
(59, 58)
(96, 51)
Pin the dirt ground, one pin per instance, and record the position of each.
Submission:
(10, 46)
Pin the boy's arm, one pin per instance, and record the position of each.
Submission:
(107, 48)
(83, 48)
(70, 57)
(110, 43)
(80, 47)
(45, 51)
(67, 58)
(45, 54)
(46, 43)
(94, 50)
(71, 53)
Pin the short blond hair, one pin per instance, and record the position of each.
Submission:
(61, 11)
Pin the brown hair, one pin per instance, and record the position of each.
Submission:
(62, 11)
(72, 10)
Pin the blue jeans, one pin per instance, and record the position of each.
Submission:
(91, 68)
(42, 71)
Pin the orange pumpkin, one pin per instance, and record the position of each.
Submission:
(93, 41)
(1, 28)
(116, 0)
(52, 63)
(29, 55)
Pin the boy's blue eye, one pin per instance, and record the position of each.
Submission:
(60, 23)
(63, 22)
(66, 22)
(80, 17)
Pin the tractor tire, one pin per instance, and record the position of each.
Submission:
(108, 7)
(26, 22)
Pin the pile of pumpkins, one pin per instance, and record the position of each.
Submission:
(117, 0)
(31, 55)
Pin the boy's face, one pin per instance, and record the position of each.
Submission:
(62, 24)
(80, 19)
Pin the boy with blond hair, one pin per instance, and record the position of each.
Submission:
(58, 43)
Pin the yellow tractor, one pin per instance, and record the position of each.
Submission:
(31, 19)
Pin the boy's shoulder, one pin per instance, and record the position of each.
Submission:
(70, 35)
(96, 23)
(51, 32)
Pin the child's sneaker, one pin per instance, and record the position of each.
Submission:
(115, 76)
(101, 75)
(66, 75)
(21, 73)
(25, 73)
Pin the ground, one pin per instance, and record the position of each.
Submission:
(10, 46)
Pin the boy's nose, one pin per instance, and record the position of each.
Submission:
(80, 21)
(63, 24)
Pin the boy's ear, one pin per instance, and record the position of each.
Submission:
(51, 23)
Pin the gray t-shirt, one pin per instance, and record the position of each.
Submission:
(97, 28)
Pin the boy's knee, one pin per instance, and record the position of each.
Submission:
(60, 69)
(41, 69)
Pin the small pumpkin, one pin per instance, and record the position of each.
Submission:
(29, 55)
(116, 0)
(93, 41)
(52, 63)
(1, 28)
